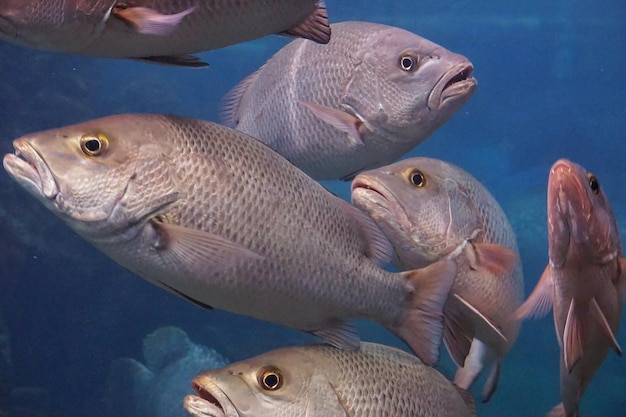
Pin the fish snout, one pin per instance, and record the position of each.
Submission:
(456, 85)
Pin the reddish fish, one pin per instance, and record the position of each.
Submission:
(584, 282)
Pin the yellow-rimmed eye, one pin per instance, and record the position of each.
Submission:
(594, 184)
(408, 62)
(270, 379)
(417, 178)
(94, 144)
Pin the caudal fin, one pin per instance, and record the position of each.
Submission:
(421, 325)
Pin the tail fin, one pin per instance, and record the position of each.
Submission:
(421, 325)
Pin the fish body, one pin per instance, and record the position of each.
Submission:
(432, 210)
(317, 380)
(163, 31)
(223, 221)
(584, 281)
(363, 100)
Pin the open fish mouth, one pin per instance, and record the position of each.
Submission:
(210, 401)
(457, 82)
(29, 169)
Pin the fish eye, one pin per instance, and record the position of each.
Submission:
(94, 145)
(594, 184)
(408, 62)
(417, 178)
(270, 379)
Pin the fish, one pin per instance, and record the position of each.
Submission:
(155, 387)
(584, 282)
(366, 98)
(221, 220)
(157, 31)
(432, 210)
(317, 380)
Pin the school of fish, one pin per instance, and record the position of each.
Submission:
(233, 217)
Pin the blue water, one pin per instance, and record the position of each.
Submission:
(551, 85)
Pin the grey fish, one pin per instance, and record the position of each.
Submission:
(155, 387)
(317, 380)
(431, 210)
(220, 219)
(362, 101)
(160, 31)
(585, 280)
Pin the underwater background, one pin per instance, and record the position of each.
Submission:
(551, 84)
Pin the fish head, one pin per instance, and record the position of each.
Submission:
(280, 382)
(422, 206)
(105, 177)
(581, 223)
(407, 86)
(52, 25)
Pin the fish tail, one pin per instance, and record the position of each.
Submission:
(421, 324)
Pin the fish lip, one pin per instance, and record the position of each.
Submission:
(455, 83)
(210, 401)
(375, 192)
(27, 167)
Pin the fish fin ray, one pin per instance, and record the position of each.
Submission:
(342, 335)
(557, 411)
(229, 107)
(339, 119)
(572, 338)
(482, 327)
(148, 21)
(492, 381)
(315, 27)
(422, 324)
(598, 315)
(539, 302)
(496, 259)
(197, 250)
(456, 337)
(186, 61)
(378, 248)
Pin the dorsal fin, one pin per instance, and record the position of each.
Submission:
(229, 108)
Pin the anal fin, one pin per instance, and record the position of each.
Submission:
(315, 27)
(186, 61)
(342, 335)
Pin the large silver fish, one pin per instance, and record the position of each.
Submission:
(220, 219)
(431, 210)
(362, 101)
(162, 31)
(317, 380)
(585, 280)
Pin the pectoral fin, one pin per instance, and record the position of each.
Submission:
(315, 27)
(198, 252)
(600, 318)
(148, 21)
(496, 259)
(339, 119)
(539, 303)
(572, 337)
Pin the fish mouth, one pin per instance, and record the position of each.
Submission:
(454, 84)
(373, 197)
(30, 170)
(210, 401)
